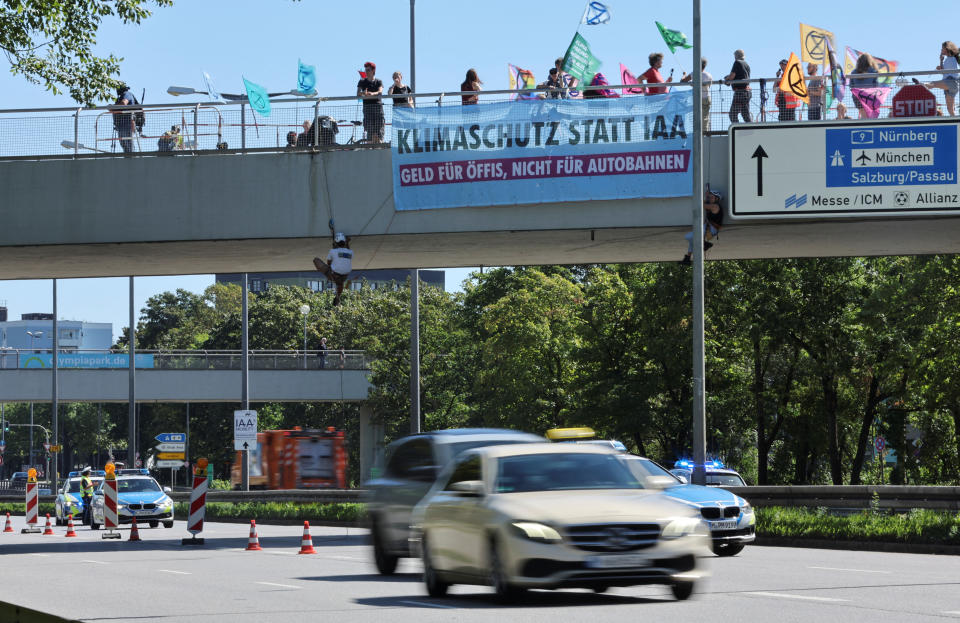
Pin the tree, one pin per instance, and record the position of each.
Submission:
(50, 42)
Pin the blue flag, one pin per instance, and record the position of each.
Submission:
(595, 13)
(306, 78)
(211, 90)
(258, 98)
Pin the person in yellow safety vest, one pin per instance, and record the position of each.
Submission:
(86, 492)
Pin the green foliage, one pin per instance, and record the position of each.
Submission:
(221, 485)
(917, 526)
(51, 42)
(265, 511)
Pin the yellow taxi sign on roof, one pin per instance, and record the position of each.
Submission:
(571, 434)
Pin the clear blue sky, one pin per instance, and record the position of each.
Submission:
(262, 40)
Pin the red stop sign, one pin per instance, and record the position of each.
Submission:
(915, 100)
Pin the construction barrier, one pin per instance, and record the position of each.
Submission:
(198, 504)
(111, 522)
(33, 503)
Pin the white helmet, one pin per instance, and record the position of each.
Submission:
(339, 237)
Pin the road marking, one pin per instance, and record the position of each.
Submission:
(172, 571)
(951, 612)
(97, 562)
(855, 570)
(274, 584)
(424, 604)
(41, 555)
(350, 558)
(788, 596)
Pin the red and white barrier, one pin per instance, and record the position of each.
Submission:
(33, 504)
(198, 505)
(111, 522)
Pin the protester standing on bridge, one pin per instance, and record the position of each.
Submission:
(705, 100)
(86, 493)
(950, 83)
(741, 92)
(123, 121)
(322, 353)
(369, 86)
(400, 92)
(815, 91)
(786, 102)
(338, 265)
(865, 65)
(652, 75)
(713, 221)
(471, 83)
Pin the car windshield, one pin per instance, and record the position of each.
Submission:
(645, 468)
(725, 480)
(562, 471)
(137, 485)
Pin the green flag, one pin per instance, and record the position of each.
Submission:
(673, 38)
(579, 62)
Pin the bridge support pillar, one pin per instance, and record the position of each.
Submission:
(371, 444)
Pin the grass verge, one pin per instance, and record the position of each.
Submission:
(918, 526)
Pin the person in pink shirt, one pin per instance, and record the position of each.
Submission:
(652, 75)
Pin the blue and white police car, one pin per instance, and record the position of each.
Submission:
(138, 495)
(718, 475)
(729, 517)
(70, 496)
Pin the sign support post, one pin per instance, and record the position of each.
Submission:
(699, 400)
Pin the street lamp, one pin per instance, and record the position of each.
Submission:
(76, 146)
(304, 309)
(33, 335)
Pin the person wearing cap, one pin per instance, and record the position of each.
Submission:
(368, 86)
(86, 492)
(338, 265)
(123, 120)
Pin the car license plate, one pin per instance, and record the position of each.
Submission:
(616, 561)
(730, 524)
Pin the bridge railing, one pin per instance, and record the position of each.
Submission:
(204, 127)
(40, 359)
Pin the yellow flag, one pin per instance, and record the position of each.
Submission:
(813, 43)
(792, 81)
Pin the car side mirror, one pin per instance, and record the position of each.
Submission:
(167, 490)
(660, 482)
(469, 488)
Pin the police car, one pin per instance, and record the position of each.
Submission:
(138, 495)
(718, 475)
(70, 496)
(729, 517)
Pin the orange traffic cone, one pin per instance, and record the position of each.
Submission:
(306, 543)
(253, 543)
(48, 529)
(9, 526)
(134, 533)
(70, 531)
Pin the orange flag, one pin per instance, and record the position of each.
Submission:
(792, 81)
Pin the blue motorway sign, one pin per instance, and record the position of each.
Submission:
(894, 155)
(171, 437)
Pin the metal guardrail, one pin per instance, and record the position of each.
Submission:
(841, 497)
(208, 127)
(11, 359)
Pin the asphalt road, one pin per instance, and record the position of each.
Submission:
(91, 579)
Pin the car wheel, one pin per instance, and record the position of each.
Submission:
(435, 586)
(682, 590)
(728, 550)
(168, 524)
(504, 591)
(385, 561)
(154, 524)
(603, 588)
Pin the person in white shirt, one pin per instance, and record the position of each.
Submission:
(950, 83)
(707, 79)
(338, 264)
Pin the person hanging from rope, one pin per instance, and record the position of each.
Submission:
(712, 223)
(338, 264)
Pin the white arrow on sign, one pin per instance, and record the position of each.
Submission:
(171, 447)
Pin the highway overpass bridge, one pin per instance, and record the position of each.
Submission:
(210, 211)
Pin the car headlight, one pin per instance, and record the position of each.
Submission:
(165, 504)
(536, 532)
(683, 526)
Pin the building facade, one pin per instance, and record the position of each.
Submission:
(34, 331)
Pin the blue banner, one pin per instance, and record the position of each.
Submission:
(85, 360)
(540, 151)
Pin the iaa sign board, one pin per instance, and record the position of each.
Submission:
(244, 430)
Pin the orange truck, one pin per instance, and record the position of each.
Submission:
(295, 459)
